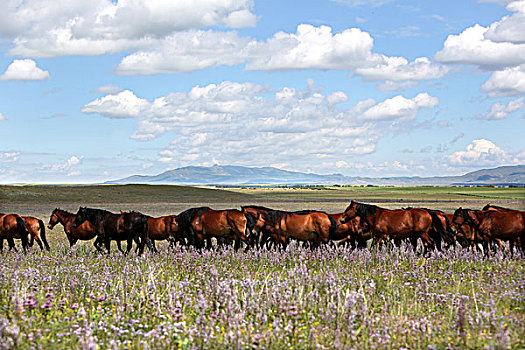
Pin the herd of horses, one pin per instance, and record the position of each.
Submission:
(259, 226)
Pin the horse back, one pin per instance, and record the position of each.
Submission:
(8, 225)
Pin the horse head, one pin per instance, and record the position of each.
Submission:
(81, 217)
(350, 212)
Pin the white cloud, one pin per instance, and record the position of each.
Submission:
(2, 117)
(9, 157)
(232, 121)
(72, 162)
(122, 105)
(510, 28)
(400, 107)
(508, 82)
(24, 70)
(315, 48)
(187, 52)
(472, 47)
(501, 111)
(108, 89)
(483, 152)
(45, 28)
(398, 69)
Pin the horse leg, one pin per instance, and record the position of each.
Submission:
(413, 241)
(11, 244)
(129, 245)
(1, 244)
(107, 244)
(37, 239)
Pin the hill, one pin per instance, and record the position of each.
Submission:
(240, 175)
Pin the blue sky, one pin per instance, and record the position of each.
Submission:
(98, 90)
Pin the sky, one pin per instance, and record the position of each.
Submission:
(95, 90)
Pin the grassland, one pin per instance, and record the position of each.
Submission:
(298, 299)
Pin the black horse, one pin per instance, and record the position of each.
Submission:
(130, 226)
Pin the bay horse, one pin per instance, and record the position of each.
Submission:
(398, 224)
(491, 225)
(161, 228)
(200, 224)
(310, 226)
(352, 231)
(516, 242)
(13, 226)
(33, 226)
(130, 226)
(463, 234)
(261, 231)
(83, 232)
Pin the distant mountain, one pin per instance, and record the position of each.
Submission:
(240, 175)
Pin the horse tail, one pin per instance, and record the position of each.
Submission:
(43, 233)
(333, 227)
(448, 230)
(438, 225)
(21, 230)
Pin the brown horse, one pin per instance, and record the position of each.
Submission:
(130, 226)
(516, 242)
(396, 224)
(491, 225)
(261, 231)
(12, 226)
(199, 224)
(84, 232)
(464, 234)
(310, 226)
(33, 225)
(161, 228)
(355, 230)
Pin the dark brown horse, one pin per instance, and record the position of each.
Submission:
(200, 224)
(12, 226)
(84, 232)
(261, 231)
(130, 226)
(396, 224)
(463, 234)
(310, 226)
(352, 231)
(33, 226)
(491, 225)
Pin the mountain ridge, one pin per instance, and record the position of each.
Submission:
(241, 175)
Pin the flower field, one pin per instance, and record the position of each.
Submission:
(328, 298)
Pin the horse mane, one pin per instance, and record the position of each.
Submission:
(363, 210)
(258, 207)
(494, 206)
(274, 216)
(184, 218)
(308, 211)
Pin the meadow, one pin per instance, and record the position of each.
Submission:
(297, 299)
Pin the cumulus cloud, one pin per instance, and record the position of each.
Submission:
(189, 51)
(315, 48)
(122, 105)
(2, 117)
(472, 47)
(509, 28)
(231, 121)
(400, 108)
(93, 27)
(24, 70)
(68, 166)
(483, 152)
(501, 111)
(507, 82)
